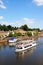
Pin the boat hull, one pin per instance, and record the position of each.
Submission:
(12, 41)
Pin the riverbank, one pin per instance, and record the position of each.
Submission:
(27, 37)
(5, 41)
(20, 38)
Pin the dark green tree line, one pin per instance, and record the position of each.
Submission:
(24, 27)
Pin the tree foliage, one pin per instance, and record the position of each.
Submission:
(7, 28)
(24, 27)
(37, 29)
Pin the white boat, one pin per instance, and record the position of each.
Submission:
(12, 40)
(24, 45)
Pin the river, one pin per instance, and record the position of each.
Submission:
(33, 56)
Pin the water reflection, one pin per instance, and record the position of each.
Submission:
(33, 56)
(23, 54)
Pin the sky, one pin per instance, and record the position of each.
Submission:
(20, 12)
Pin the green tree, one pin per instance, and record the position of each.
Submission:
(37, 29)
(9, 27)
(15, 28)
(4, 27)
(24, 27)
(0, 27)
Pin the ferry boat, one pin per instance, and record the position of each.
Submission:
(24, 45)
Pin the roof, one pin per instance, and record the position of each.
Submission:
(25, 41)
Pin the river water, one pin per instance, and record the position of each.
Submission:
(33, 56)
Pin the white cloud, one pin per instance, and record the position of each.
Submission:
(2, 5)
(18, 23)
(1, 17)
(30, 21)
(38, 2)
(23, 21)
(6, 23)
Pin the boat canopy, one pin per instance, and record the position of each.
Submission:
(12, 38)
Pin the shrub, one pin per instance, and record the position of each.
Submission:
(35, 33)
(29, 33)
(10, 35)
(17, 34)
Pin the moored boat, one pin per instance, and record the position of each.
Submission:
(12, 40)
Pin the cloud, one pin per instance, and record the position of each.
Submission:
(30, 21)
(1, 17)
(18, 23)
(23, 21)
(38, 2)
(2, 5)
(6, 23)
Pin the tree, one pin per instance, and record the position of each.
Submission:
(37, 29)
(15, 28)
(9, 27)
(24, 27)
(4, 27)
(0, 27)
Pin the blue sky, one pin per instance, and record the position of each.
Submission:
(20, 12)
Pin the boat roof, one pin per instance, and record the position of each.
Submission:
(24, 41)
(12, 38)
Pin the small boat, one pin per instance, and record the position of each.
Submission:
(12, 40)
(24, 45)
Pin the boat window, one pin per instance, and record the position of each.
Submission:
(30, 45)
(19, 47)
(27, 46)
(19, 43)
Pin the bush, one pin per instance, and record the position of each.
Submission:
(17, 34)
(35, 33)
(29, 33)
(10, 35)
